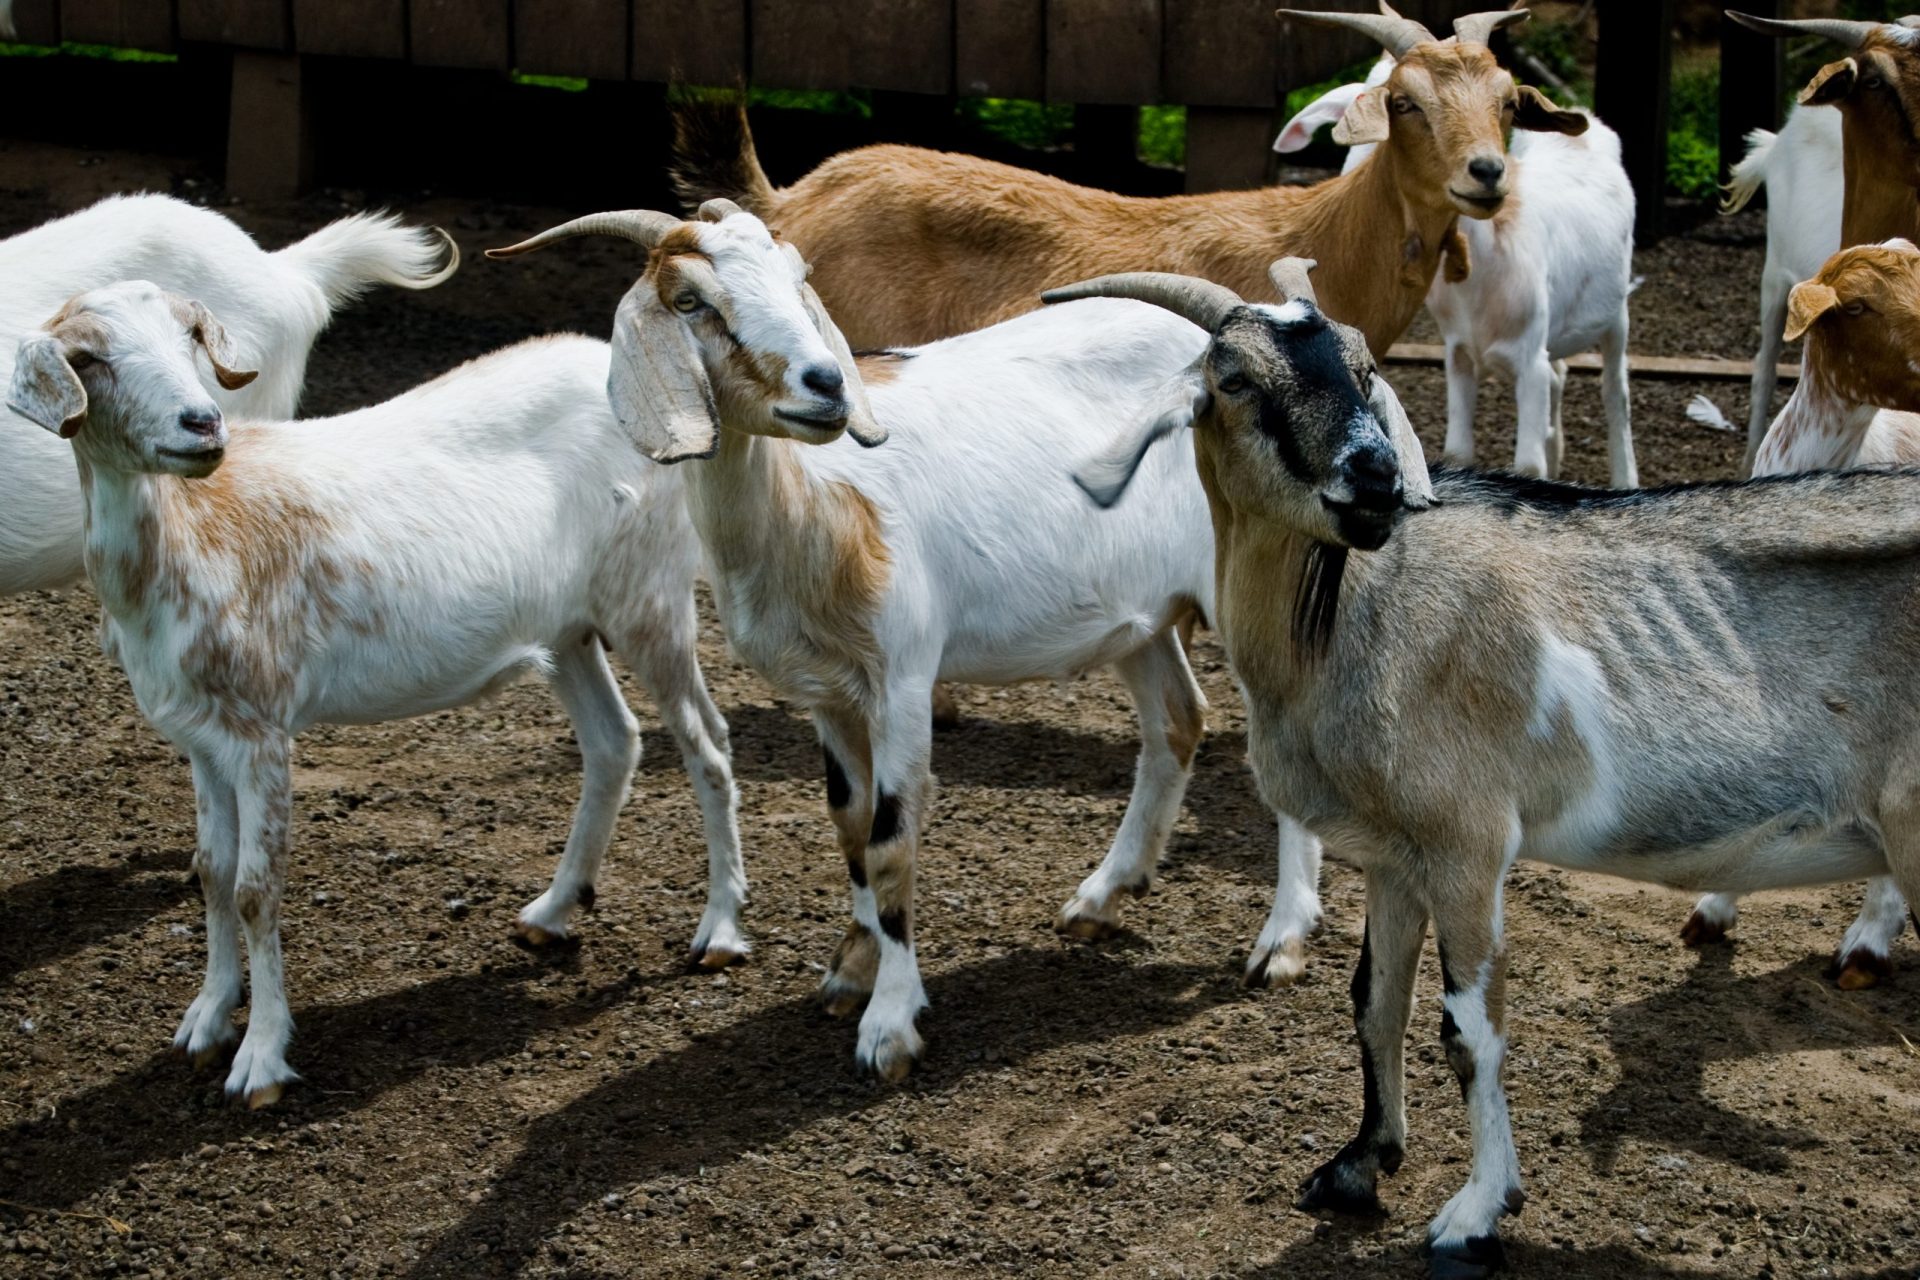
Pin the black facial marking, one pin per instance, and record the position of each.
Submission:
(839, 790)
(886, 819)
(894, 924)
(1316, 604)
(1317, 362)
(857, 870)
(586, 897)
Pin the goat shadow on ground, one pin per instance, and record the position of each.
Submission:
(71, 908)
(1666, 1042)
(771, 1072)
(1329, 1252)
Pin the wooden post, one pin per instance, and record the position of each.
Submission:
(127, 24)
(1752, 67)
(1631, 88)
(1229, 148)
(270, 135)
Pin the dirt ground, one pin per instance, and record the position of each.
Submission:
(1122, 1109)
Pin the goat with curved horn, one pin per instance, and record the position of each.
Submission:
(1201, 301)
(1396, 34)
(1478, 28)
(1841, 31)
(642, 226)
(1289, 276)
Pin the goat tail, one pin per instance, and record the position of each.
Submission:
(350, 256)
(713, 155)
(1750, 172)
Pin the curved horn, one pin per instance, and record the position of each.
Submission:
(642, 226)
(1395, 34)
(1478, 28)
(1289, 276)
(1839, 30)
(717, 209)
(1201, 301)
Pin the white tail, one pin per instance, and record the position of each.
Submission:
(1750, 172)
(348, 257)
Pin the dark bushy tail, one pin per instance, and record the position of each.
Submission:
(713, 154)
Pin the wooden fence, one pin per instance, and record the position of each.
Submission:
(1230, 62)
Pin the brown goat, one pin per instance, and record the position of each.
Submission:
(911, 245)
(1877, 90)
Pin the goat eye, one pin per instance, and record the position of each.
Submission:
(1233, 383)
(1872, 82)
(686, 303)
(1405, 106)
(1855, 308)
(80, 360)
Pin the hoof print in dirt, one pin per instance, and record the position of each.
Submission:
(1859, 970)
(1466, 1260)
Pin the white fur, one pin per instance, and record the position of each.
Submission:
(416, 555)
(1549, 279)
(1802, 171)
(273, 304)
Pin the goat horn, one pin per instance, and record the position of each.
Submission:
(1201, 301)
(1478, 28)
(1839, 30)
(642, 226)
(1289, 276)
(717, 209)
(1396, 34)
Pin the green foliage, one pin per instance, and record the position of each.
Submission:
(566, 84)
(1693, 131)
(103, 52)
(1163, 136)
(1021, 121)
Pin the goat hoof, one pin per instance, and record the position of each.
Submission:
(1279, 967)
(841, 1001)
(715, 957)
(1859, 969)
(1468, 1260)
(204, 1058)
(1080, 919)
(1699, 931)
(893, 1058)
(265, 1096)
(532, 937)
(1332, 1188)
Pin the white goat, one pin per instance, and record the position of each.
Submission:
(1446, 675)
(390, 562)
(1801, 169)
(1550, 275)
(276, 304)
(959, 550)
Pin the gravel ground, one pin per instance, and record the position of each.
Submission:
(1122, 1109)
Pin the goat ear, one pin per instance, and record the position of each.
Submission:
(1830, 83)
(658, 385)
(1456, 262)
(1808, 302)
(1416, 485)
(212, 337)
(46, 391)
(861, 424)
(1538, 112)
(1325, 109)
(1105, 476)
(1365, 120)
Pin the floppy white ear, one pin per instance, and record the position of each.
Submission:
(46, 391)
(212, 337)
(861, 425)
(1105, 476)
(1323, 110)
(1415, 483)
(658, 385)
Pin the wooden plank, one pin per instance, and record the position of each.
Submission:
(1664, 368)
(999, 48)
(904, 45)
(571, 38)
(1103, 51)
(270, 133)
(703, 43)
(351, 28)
(1752, 99)
(461, 33)
(1229, 148)
(36, 21)
(247, 24)
(125, 24)
(1221, 53)
(1310, 54)
(1631, 85)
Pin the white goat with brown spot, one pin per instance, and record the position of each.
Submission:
(410, 557)
(1446, 675)
(273, 304)
(959, 548)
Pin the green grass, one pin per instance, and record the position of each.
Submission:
(105, 53)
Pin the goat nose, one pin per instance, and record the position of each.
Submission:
(1375, 477)
(824, 379)
(201, 422)
(1487, 170)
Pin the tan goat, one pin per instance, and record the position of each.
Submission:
(911, 245)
